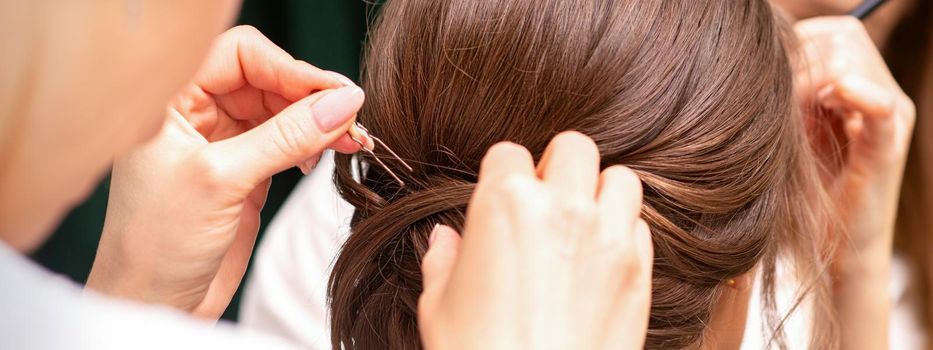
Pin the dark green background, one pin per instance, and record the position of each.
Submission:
(327, 33)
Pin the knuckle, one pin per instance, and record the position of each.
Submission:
(209, 168)
(543, 207)
(634, 253)
(245, 29)
(627, 267)
(820, 25)
(291, 135)
(910, 108)
(804, 28)
(634, 269)
(244, 35)
(632, 265)
(236, 37)
(516, 187)
(577, 211)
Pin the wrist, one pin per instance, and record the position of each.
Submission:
(116, 275)
(139, 287)
(868, 265)
(111, 278)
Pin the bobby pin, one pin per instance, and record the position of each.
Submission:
(362, 137)
(866, 8)
(383, 144)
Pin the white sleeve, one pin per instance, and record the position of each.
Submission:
(285, 293)
(40, 310)
(905, 330)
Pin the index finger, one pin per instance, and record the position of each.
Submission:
(244, 56)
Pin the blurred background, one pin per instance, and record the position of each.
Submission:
(327, 33)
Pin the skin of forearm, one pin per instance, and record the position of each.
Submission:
(862, 302)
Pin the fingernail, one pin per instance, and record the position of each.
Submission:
(357, 131)
(342, 79)
(433, 235)
(309, 165)
(337, 107)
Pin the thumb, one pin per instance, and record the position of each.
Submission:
(438, 262)
(301, 131)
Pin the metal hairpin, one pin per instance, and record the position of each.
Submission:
(365, 132)
(866, 8)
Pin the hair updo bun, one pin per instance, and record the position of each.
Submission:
(391, 237)
(694, 96)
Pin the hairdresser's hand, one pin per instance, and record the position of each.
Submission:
(184, 209)
(551, 258)
(871, 120)
(869, 116)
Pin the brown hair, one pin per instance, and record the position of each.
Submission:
(695, 96)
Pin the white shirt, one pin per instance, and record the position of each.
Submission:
(41, 310)
(286, 294)
(287, 288)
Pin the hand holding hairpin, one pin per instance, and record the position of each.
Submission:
(367, 142)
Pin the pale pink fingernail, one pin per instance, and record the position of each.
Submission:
(308, 165)
(312, 163)
(359, 132)
(342, 79)
(337, 107)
